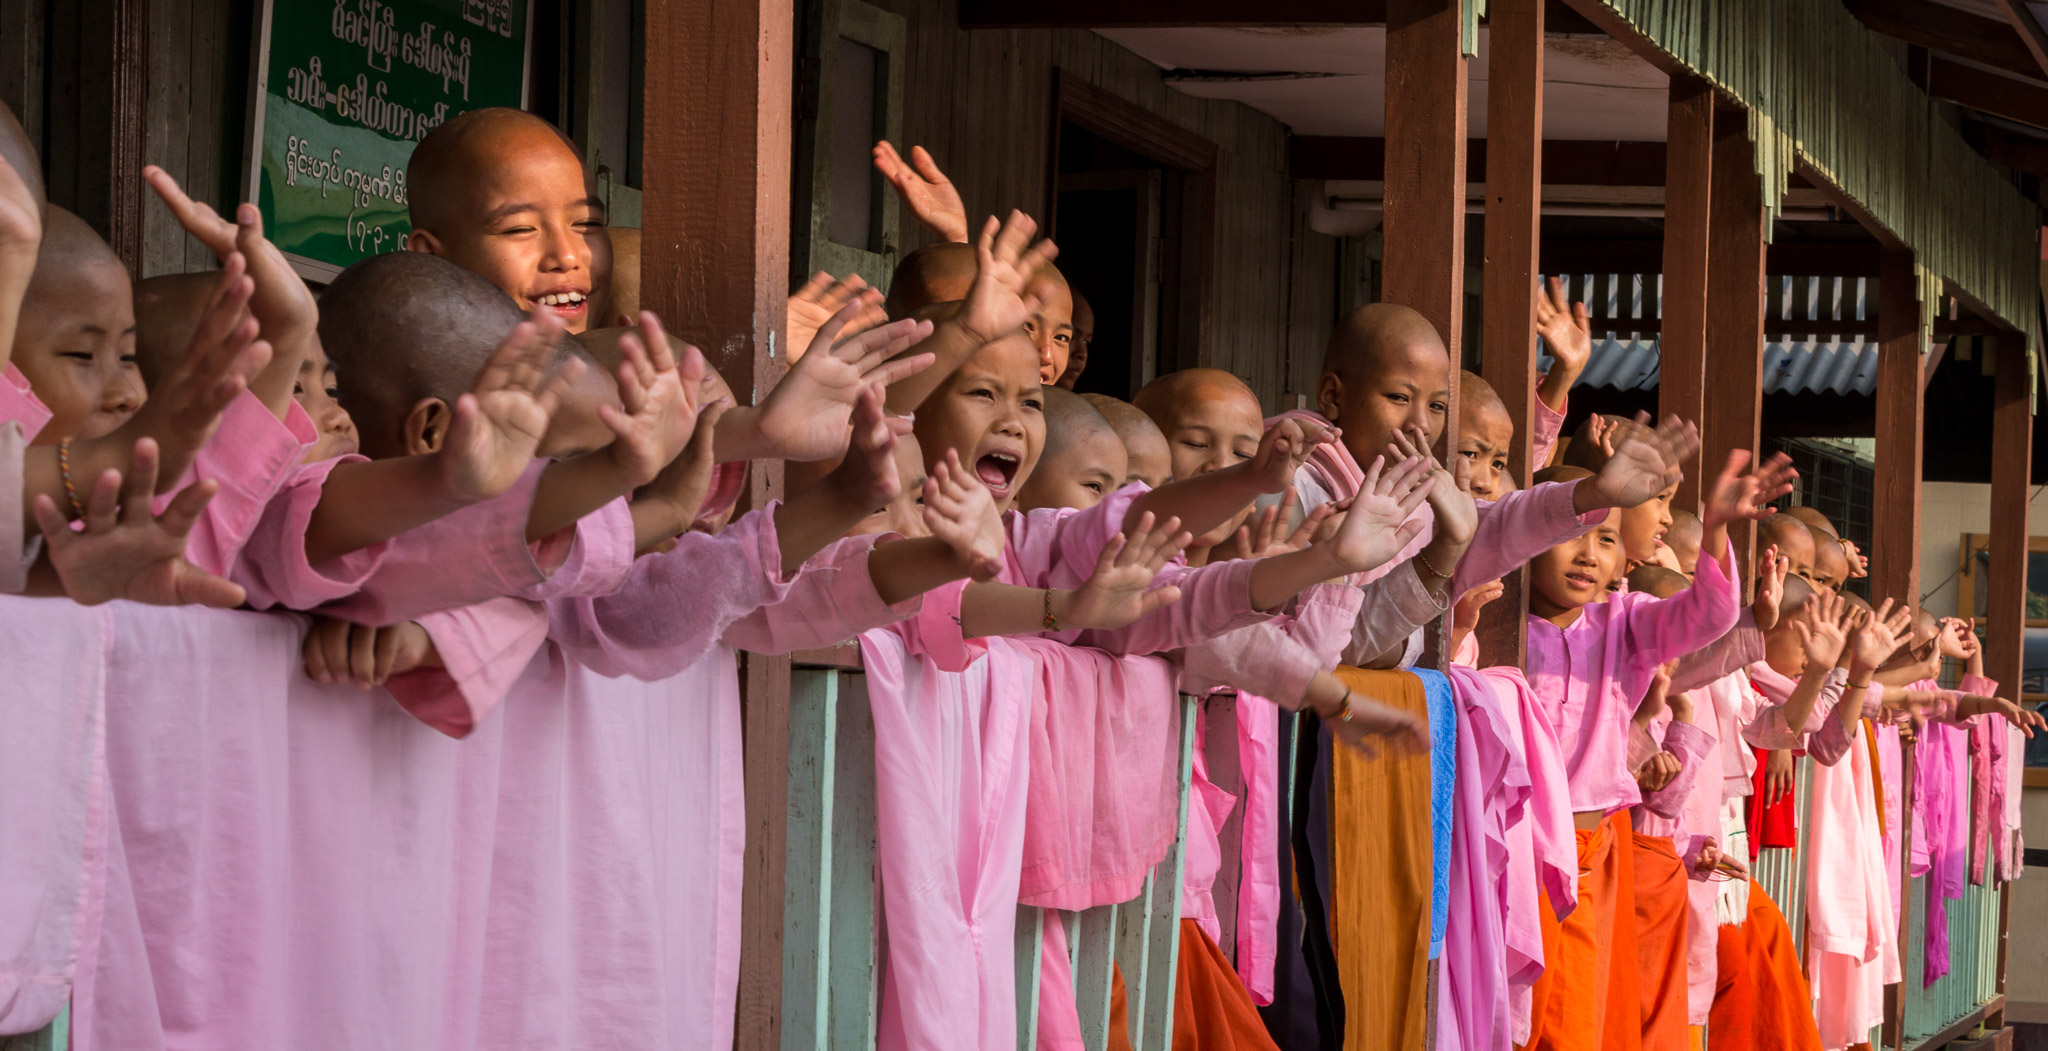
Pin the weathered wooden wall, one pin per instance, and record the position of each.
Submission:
(194, 118)
(983, 102)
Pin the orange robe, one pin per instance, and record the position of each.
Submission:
(1379, 878)
(1660, 902)
(1212, 1010)
(1761, 999)
(1569, 1003)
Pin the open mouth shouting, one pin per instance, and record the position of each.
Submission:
(998, 471)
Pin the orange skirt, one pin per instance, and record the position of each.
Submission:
(1212, 1010)
(1569, 1003)
(1661, 901)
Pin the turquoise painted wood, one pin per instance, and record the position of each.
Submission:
(1156, 1017)
(1093, 944)
(855, 973)
(807, 902)
(1031, 922)
(53, 1037)
(1976, 924)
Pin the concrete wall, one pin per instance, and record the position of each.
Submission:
(1947, 511)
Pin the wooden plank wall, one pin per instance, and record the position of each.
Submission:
(982, 102)
(193, 118)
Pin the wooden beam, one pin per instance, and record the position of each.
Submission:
(1735, 308)
(715, 264)
(1933, 362)
(2012, 446)
(2000, 146)
(1565, 163)
(2029, 32)
(1938, 27)
(1424, 264)
(1895, 500)
(1151, 14)
(1806, 258)
(1614, 25)
(2000, 96)
(1514, 235)
(1688, 193)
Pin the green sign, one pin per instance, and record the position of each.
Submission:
(345, 89)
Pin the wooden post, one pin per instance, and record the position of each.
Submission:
(1735, 309)
(715, 266)
(2012, 444)
(1425, 174)
(1895, 506)
(130, 86)
(1514, 233)
(1682, 337)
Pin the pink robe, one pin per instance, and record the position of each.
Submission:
(1590, 676)
(354, 878)
(952, 721)
(251, 456)
(1851, 944)
(1492, 791)
(53, 777)
(19, 404)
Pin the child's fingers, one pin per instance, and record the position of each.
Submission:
(1157, 599)
(362, 656)
(1014, 235)
(57, 534)
(901, 368)
(102, 502)
(140, 485)
(183, 512)
(1108, 559)
(386, 657)
(1373, 471)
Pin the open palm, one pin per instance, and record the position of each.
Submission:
(499, 424)
(660, 398)
(128, 552)
(1377, 527)
(959, 511)
(805, 418)
(1002, 298)
(1120, 590)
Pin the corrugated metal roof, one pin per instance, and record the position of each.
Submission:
(1799, 367)
(1810, 366)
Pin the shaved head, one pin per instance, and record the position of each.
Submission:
(1385, 370)
(451, 155)
(1366, 338)
(1210, 418)
(1144, 443)
(1684, 538)
(1814, 520)
(1797, 594)
(1162, 398)
(1486, 434)
(1560, 473)
(1583, 451)
(1657, 580)
(940, 273)
(404, 326)
(1794, 541)
(167, 312)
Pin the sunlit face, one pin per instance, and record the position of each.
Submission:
(318, 391)
(1576, 573)
(530, 220)
(1149, 460)
(1830, 564)
(1484, 436)
(1407, 388)
(1644, 526)
(1684, 539)
(1784, 652)
(1213, 426)
(992, 410)
(1080, 475)
(1795, 543)
(1051, 331)
(76, 345)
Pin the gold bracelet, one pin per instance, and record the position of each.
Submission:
(1052, 622)
(64, 469)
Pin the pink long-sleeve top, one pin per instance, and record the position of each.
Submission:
(475, 554)
(1591, 675)
(251, 457)
(1662, 812)
(1511, 530)
(19, 404)
(1058, 548)
(272, 566)
(1822, 737)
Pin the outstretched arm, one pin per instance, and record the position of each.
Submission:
(1000, 301)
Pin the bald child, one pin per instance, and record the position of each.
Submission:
(504, 194)
(1083, 460)
(1144, 444)
(1794, 542)
(944, 272)
(1486, 434)
(1830, 561)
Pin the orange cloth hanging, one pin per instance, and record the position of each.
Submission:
(1761, 999)
(1212, 1010)
(1379, 878)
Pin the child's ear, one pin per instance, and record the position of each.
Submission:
(421, 241)
(426, 426)
(1329, 394)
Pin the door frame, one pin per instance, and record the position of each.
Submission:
(1188, 227)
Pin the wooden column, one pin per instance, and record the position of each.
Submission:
(2012, 444)
(1735, 309)
(1514, 232)
(715, 267)
(1895, 504)
(1424, 261)
(1682, 338)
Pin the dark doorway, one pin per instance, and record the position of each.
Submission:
(1133, 213)
(1108, 233)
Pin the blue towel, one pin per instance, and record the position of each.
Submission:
(1443, 774)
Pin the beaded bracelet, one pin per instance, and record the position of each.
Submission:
(64, 469)
(1052, 622)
